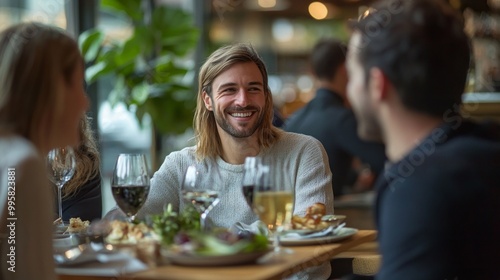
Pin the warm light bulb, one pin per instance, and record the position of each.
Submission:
(318, 10)
(267, 3)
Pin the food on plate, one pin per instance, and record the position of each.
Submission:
(180, 234)
(76, 225)
(217, 243)
(313, 218)
(169, 223)
(129, 233)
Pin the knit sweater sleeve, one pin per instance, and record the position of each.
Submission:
(166, 183)
(308, 163)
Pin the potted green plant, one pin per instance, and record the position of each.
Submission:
(149, 66)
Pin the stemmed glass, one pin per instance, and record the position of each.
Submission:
(273, 201)
(61, 165)
(130, 183)
(200, 188)
(250, 177)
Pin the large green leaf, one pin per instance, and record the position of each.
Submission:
(149, 77)
(118, 92)
(140, 93)
(171, 116)
(93, 72)
(167, 70)
(179, 37)
(90, 43)
(130, 8)
(128, 52)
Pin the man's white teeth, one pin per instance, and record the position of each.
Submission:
(241, 115)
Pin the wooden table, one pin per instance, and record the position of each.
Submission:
(303, 257)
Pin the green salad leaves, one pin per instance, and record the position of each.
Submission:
(180, 233)
(169, 223)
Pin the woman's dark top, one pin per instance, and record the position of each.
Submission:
(86, 203)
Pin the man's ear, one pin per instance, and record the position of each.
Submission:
(207, 100)
(379, 84)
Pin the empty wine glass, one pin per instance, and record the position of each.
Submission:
(273, 202)
(130, 183)
(61, 165)
(199, 188)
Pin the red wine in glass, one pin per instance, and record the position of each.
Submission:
(130, 183)
(130, 198)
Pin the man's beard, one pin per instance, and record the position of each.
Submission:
(246, 132)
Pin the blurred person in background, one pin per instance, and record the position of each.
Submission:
(42, 101)
(437, 208)
(82, 196)
(328, 118)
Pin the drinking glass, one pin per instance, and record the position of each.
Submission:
(61, 165)
(250, 177)
(273, 202)
(130, 183)
(200, 188)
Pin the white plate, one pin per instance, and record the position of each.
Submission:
(303, 231)
(87, 253)
(294, 241)
(306, 231)
(225, 260)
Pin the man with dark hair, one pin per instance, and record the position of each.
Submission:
(328, 118)
(438, 210)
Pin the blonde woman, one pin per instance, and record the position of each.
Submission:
(82, 194)
(42, 101)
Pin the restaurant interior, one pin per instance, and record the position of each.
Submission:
(282, 31)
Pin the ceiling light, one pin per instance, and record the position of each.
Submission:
(266, 4)
(318, 10)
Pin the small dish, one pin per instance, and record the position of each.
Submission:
(64, 241)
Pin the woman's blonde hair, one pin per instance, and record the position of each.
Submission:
(205, 127)
(87, 160)
(34, 57)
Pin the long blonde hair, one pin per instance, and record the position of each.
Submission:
(87, 159)
(33, 58)
(205, 127)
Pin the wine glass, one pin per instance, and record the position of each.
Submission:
(199, 188)
(130, 183)
(273, 202)
(252, 165)
(61, 165)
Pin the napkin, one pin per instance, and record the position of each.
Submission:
(257, 227)
(329, 231)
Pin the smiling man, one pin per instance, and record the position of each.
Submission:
(233, 120)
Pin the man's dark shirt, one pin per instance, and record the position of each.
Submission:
(438, 209)
(328, 120)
